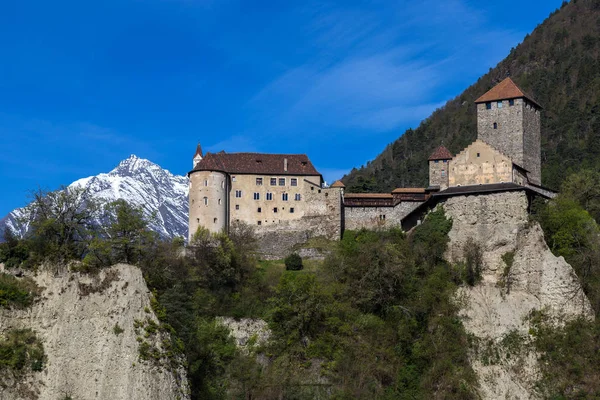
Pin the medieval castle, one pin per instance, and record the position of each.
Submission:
(283, 195)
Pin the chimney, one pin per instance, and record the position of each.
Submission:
(285, 164)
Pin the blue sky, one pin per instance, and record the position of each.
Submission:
(85, 84)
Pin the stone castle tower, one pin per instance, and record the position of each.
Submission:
(208, 198)
(509, 121)
(439, 167)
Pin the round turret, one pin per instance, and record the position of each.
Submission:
(208, 196)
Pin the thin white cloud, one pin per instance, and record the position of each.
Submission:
(378, 68)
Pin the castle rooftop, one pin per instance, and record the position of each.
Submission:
(441, 153)
(505, 90)
(257, 164)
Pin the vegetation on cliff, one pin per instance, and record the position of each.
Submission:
(557, 64)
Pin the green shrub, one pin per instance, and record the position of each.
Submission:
(117, 330)
(293, 262)
(15, 292)
(21, 350)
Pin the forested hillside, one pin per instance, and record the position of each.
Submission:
(558, 64)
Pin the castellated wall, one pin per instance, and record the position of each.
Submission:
(480, 164)
(377, 217)
(532, 145)
(208, 200)
(438, 173)
(507, 137)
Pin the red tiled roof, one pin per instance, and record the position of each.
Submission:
(441, 153)
(368, 196)
(409, 190)
(505, 90)
(338, 184)
(257, 163)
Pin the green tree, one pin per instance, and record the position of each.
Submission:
(61, 223)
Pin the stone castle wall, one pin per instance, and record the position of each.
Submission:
(377, 217)
(480, 164)
(532, 143)
(508, 136)
(323, 217)
(439, 170)
(208, 201)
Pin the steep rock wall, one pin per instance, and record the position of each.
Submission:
(86, 358)
(501, 303)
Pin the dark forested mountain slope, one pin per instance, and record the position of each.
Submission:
(558, 64)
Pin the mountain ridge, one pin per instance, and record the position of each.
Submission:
(161, 194)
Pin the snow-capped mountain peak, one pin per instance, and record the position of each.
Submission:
(162, 195)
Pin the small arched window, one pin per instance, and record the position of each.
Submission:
(206, 201)
(206, 182)
(219, 201)
(495, 125)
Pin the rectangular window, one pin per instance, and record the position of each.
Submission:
(499, 104)
(238, 193)
(284, 197)
(275, 209)
(206, 182)
(258, 181)
(273, 181)
(206, 201)
(281, 181)
(437, 161)
(294, 182)
(237, 206)
(259, 209)
(495, 125)
(488, 105)
(259, 222)
(298, 197)
(269, 196)
(443, 173)
(511, 102)
(256, 196)
(292, 210)
(233, 178)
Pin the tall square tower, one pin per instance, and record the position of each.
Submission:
(509, 121)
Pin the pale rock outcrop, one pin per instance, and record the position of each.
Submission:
(246, 331)
(87, 358)
(499, 224)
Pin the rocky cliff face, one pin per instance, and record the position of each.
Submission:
(498, 307)
(92, 330)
